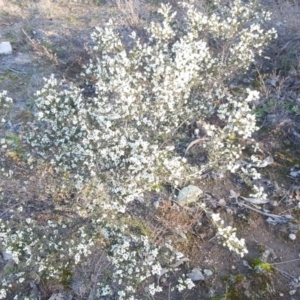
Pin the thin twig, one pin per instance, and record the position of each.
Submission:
(193, 143)
(9, 209)
(259, 211)
(176, 202)
(285, 262)
(40, 48)
(285, 274)
(16, 71)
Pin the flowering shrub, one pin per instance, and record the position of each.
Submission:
(5, 103)
(136, 260)
(145, 91)
(227, 235)
(123, 137)
(36, 252)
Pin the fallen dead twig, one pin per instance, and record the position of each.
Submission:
(7, 210)
(259, 211)
(285, 262)
(16, 71)
(176, 202)
(193, 143)
(285, 274)
(40, 49)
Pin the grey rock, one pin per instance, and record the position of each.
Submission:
(189, 194)
(156, 204)
(6, 255)
(295, 174)
(215, 175)
(196, 275)
(5, 48)
(292, 292)
(207, 272)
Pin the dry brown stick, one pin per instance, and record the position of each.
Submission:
(285, 262)
(260, 212)
(40, 48)
(194, 143)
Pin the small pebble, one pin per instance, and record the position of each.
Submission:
(292, 292)
(208, 272)
(201, 158)
(281, 294)
(233, 267)
(292, 236)
(295, 174)
(156, 204)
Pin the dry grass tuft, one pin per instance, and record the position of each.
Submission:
(41, 50)
(178, 219)
(132, 11)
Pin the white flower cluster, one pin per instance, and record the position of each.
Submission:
(39, 249)
(5, 103)
(224, 145)
(227, 23)
(228, 237)
(144, 92)
(136, 260)
(249, 169)
(184, 284)
(259, 192)
(36, 248)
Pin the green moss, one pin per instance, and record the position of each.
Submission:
(10, 35)
(8, 269)
(233, 283)
(16, 150)
(11, 76)
(288, 61)
(256, 83)
(261, 111)
(156, 187)
(99, 2)
(239, 278)
(257, 263)
(288, 157)
(233, 294)
(137, 226)
(66, 278)
(263, 286)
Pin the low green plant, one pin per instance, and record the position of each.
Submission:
(294, 108)
(261, 265)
